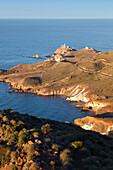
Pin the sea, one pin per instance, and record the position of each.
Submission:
(22, 38)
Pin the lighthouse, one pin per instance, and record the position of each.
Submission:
(86, 47)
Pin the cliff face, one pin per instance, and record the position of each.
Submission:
(98, 105)
(82, 93)
(95, 124)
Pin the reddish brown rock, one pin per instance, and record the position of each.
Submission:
(96, 106)
(79, 106)
(94, 124)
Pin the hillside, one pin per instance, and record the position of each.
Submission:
(27, 142)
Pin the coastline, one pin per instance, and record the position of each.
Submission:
(58, 76)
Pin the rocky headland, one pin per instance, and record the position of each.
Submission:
(81, 75)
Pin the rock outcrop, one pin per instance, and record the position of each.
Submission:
(95, 124)
(37, 56)
(98, 105)
(60, 52)
(63, 50)
(81, 93)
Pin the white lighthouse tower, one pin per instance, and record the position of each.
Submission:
(86, 47)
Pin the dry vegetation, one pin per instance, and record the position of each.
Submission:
(94, 63)
(82, 66)
(27, 143)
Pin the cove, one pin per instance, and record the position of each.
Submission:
(54, 108)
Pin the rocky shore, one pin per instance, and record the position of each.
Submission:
(80, 75)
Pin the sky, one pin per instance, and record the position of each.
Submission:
(56, 9)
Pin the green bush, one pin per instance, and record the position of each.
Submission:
(5, 159)
(23, 137)
(77, 144)
(13, 137)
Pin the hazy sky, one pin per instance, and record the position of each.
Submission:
(56, 8)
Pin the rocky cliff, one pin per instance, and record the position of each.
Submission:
(95, 124)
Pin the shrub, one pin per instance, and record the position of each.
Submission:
(23, 137)
(77, 144)
(34, 166)
(5, 159)
(47, 140)
(65, 156)
(14, 156)
(19, 126)
(26, 166)
(32, 81)
(1, 116)
(45, 128)
(11, 111)
(5, 119)
(29, 148)
(13, 122)
(35, 134)
(13, 137)
(14, 167)
(56, 147)
(107, 162)
(29, 157)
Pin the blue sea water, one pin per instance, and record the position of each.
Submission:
(30, 37)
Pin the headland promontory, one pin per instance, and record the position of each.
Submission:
(81, 75)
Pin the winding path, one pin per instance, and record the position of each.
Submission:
(86, 70)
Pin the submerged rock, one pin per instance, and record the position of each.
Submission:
(37, 56)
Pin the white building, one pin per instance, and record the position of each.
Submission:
(86, 47)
